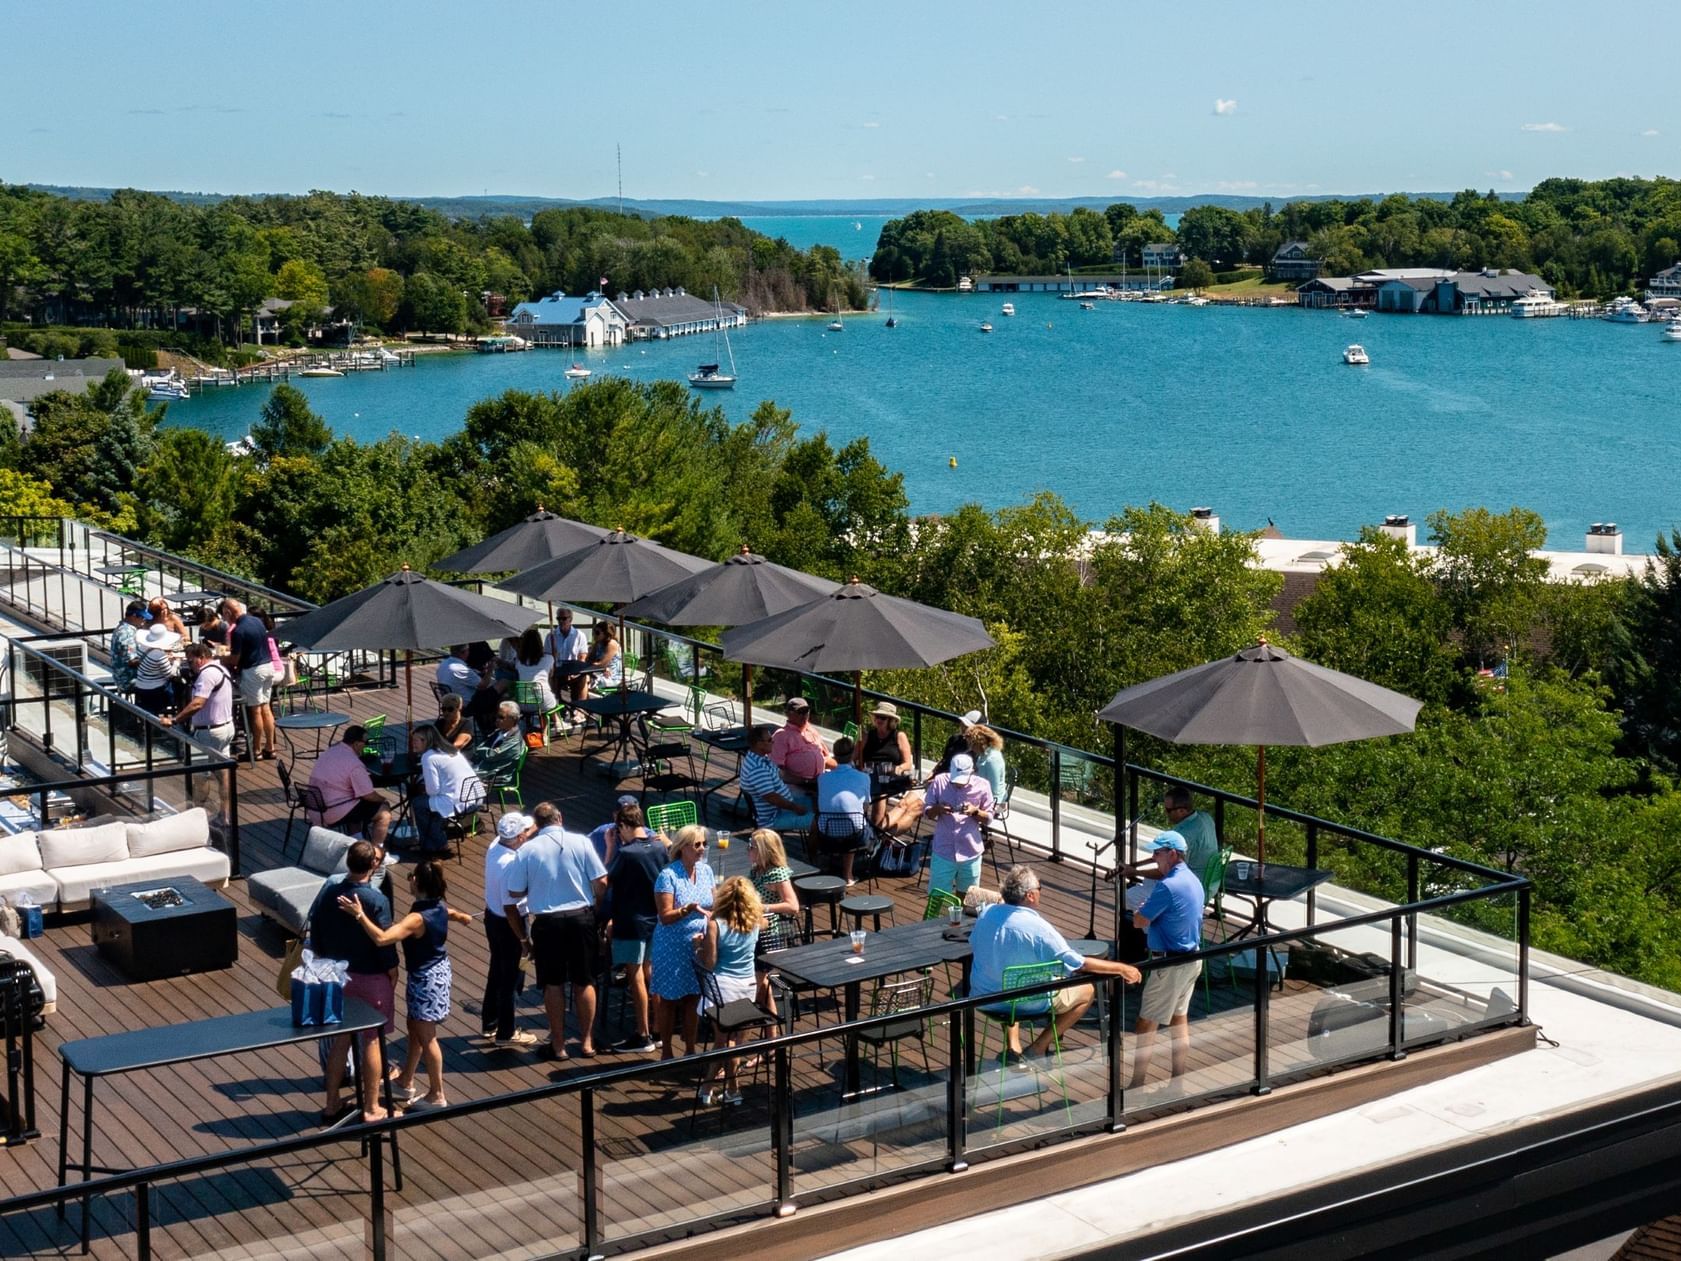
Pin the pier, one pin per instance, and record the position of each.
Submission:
(272, 371)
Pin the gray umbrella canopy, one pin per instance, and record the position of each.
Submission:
(409, 611)
(615, 569)
(541, 536)
(853, 629)
(745, 588)
(1260, 696)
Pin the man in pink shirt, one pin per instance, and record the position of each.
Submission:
(352, 803)
(798, 751)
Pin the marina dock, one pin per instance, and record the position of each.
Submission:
(268, 373)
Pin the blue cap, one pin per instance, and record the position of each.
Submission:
(1168, 840)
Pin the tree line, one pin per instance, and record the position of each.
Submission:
(1548, 744)
(1591, 238)
(143, 261)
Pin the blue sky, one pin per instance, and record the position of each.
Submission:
(765, 101)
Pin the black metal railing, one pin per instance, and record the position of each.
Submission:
(957, 1092)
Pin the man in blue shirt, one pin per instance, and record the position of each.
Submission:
(1016, 933)
(1171, 918)
(372, 971)
(561, 878)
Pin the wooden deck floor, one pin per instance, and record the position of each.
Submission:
(506, 1184)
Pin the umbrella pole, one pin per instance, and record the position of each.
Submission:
(746, 697)
(1261, 807)
(858, 699)
(1122, 853)
(408, 669)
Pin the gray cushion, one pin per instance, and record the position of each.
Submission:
(286, 894)
(325, 850)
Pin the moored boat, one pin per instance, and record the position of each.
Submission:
(1625, 311)
(1537, 306)
(577, 372)
(711, 376)
(986, 326)
(1009, 308)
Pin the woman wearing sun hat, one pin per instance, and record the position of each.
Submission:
(159, 669)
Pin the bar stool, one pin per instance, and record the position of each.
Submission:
(871, 904)
(827, 890)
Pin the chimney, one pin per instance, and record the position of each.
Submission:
(1399, 526)
(1205, 518)
(1605, 538)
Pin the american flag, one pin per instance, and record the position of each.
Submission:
(604, 282)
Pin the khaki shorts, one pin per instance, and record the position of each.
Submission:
(217, 739)
(256, 683)
(1066, 1000)
(1168, 990)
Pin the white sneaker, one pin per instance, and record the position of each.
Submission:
(520, 1039)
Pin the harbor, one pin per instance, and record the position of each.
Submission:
(323, 364)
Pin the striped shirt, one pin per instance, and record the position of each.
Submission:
(759, 778)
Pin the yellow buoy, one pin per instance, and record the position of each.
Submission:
(953, 462)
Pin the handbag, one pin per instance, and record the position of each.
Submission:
(288, 961)
(534, 739)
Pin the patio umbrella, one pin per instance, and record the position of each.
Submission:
(745, 588)
(541, 536)
(856, 628)
(406, 611)
(1260, 696)
(615, 569)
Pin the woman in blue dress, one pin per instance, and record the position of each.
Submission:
(423, 932)
(683, 900)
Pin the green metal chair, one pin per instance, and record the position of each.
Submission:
(1213, 877)
(690, 716)
(529, 697)
(668, 816)
(850, 731)
(938, 901)
(1026, 1011)
(501, 775)
(375, 728)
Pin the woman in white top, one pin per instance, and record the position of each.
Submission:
(534, 665)
(160, 667)
(604, 652)
(447, 782)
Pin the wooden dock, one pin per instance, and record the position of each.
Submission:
(507, 1183)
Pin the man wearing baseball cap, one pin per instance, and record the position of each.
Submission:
(504, 980)
(960, 803)
(1171, 918)
(797, 750)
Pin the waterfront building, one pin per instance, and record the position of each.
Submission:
(266, 320)
(1162, 256)
(1337, 292)
(1487, 292)
(661, 313)
(558, 320)
(22, 381)
(1292, 261)
(1666, 284)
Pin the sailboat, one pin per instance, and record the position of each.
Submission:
(892, 320)
(711, 376)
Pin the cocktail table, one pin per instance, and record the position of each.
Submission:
(165, 927)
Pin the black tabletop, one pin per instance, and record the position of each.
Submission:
(402, 767)
(901, 948)
(312, 720)
(1274, 881)
(890, 784)
(623, 704)
(206, 1039)
(729, 739)
(122, 900)
(571, 669)
(737, 861)
(194, 597)
(134, 567)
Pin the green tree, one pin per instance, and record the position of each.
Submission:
(92, 446)
(1645, 669)
(187, 490)
(1490, 578)
(288, 426)
(1195, 274)
(433, 305)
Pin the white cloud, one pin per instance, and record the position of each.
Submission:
(1076, 159)
(1235, 186)
(1116, 174)
(1500, 175)
(1224, 108)
(701, 174)
(867, 178)
(1000, 118)
(872, 125)
(1651, 131)
(1166, 184)
(1550, 128)
(929, 174)
(1027, 190)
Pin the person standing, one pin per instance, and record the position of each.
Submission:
(773, 881)
(569, 646)
(422, 933)
(683, 900)
(726, 948)
(632, 915)
(372, 972)
(625, 826)
(248, 658)
(505, 931)
(559, 875)
(208, 713)
(1171, 918)
(960, 803)
(125, 646)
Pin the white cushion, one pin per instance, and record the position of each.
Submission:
(188, 830)
(38, 884)
(49, 984)
(19, 853)
(76, 884)
(74, 847)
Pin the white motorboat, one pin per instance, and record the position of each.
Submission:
(164, 387)
(1537, 306)
(1356, 354)
(320, 372)
(1088, 306)
(1672, 331)
(1196, 299)
(1625, 311)
(711, 376)
(577, 372)
(1009, 308)
(1353, 313)
(986, 326)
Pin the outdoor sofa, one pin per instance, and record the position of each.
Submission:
(61, 867)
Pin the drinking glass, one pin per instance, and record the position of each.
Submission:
(723, 840)
(954, 915)
(1243, 871)
(857, 936)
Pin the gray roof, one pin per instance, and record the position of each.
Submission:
(23, 380)
(1508, 284)
(1672, 272)
(1421, 283)
(679, 308)
(1288, 245)
(1335, 283)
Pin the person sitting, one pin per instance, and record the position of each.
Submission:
(1171, 918)
(500, 749)
(448, 780)
(452, 725)
(353, 805)
(843, 794)
(1014, 933)
(775, 805)
(886, 750)
(605, 653)
(474, 687)
(960, 804)
(533, 666)
(624, 827)
(726, 948)
(797, 749)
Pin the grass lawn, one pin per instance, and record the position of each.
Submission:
(1254, 287)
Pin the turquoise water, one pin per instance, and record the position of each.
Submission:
(805, 231)
(1250, 411)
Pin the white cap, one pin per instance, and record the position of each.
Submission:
(962, 768)
(970, 719)
(511, 825)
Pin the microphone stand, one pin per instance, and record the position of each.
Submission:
(1091, 902)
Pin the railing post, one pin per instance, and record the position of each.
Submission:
(143, 1220)
(916, 739)
(1056, 804)
(232, 807)
(1523, 953)
(1117, 1095)
(1397, 993)
(376, 1192)
(592, 1209)
(1263, 1001)
(1312, 861)
(1412, 918)
(782, 1130)
(957, 1095)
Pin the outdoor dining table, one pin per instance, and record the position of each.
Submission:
(121, 571)
(194, 599)
(321, 722)
(1273, 882)
(889, 784)
(629, 710)
(831, 965)
(725, 740)
(734, 859)
(240, 1034)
